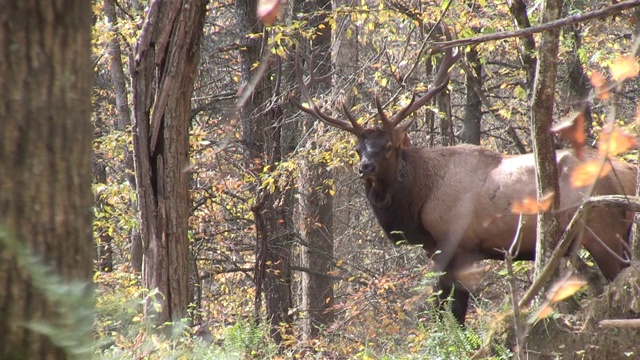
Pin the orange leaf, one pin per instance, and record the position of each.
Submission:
(624, 68)
(564, 288)
(530, 206)
(615, 142)
(542, 312)
(600, 84)
(588, 172)
(571, 129)
(268, 10)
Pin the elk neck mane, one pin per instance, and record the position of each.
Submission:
(398, 202)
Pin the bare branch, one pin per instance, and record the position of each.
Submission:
(609, 11)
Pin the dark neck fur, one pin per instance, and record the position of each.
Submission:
(396, 204)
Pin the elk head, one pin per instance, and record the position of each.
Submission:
(379, 148)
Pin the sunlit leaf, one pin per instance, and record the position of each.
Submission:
(531, 206)
(624, 68)
(615, 141)
(588, 172)
(542, 312)
(600, 84)
(571, 129)
(564, 288)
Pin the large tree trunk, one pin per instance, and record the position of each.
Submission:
(316, 202)
(261, 119)
(167, 55)
(45, 174)
(548, 231)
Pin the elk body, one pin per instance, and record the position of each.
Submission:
(456, 201)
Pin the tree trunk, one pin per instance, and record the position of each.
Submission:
(124, 119)
(316, 202)
(45, 177)
(472, 120)
(261, 119)
(548, 230)
(518, 9)
(579, 84)
(167, 55)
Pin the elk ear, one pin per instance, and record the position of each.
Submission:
(401, 139)
(406, 142)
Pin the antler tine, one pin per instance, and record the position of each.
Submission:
(440, 82)
(383, 117)
(358, 129)
(313, 109)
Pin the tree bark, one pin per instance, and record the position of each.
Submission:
(261, 119)
(167, 54)
(518, 9)
(472, 121)
(316, 202)
(548, 229)
(45, 176)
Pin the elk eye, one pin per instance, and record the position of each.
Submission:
(388, 148)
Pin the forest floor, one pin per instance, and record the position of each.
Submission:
(579, 334)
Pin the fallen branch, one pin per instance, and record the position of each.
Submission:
(620, 323)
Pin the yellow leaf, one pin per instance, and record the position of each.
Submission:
(615, 142)
(339, 262)
(565, 288)
(588, 172)
(624, 68)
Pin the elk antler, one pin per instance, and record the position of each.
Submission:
(440, 82)
(352, 126)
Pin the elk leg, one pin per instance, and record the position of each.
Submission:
(604, 237)
(460, 301)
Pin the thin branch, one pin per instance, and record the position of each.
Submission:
(609, 11)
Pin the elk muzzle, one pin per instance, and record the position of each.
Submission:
(368, 168)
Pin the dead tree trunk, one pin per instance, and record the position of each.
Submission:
(163, 73)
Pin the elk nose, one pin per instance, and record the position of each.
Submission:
(367, 167)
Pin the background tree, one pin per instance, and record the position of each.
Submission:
(45, 178)
(316, 188)
(163, 73)
(262, 136)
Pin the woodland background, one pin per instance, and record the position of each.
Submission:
(228, 224)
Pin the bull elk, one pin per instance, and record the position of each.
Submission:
(455, 201)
